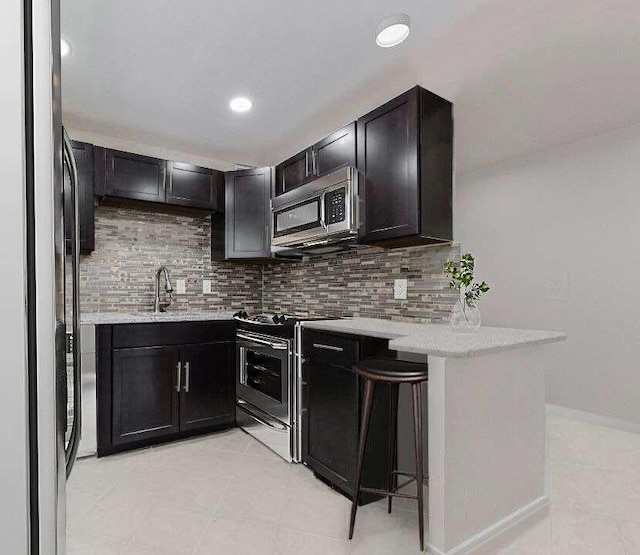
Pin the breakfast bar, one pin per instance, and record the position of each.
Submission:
(486, 426)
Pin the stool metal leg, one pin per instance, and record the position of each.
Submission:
(364, 430)
(417, 424)
(393, 440)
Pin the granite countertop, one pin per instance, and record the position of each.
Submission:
(438, 339)
(143, 317)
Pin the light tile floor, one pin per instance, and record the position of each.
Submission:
(227, 494)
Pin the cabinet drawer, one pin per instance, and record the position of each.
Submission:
(171, 333)
(331, 347)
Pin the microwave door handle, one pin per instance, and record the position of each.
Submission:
(323, 223)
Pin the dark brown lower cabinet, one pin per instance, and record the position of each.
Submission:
(207, 398)
(149, 393)
(145, 404)
(332, 403)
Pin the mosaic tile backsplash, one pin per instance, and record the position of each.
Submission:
(359, 282)
(131, 244)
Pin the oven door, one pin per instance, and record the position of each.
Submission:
(263, 376)
(299, 222)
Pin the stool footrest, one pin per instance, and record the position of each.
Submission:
(387, 493)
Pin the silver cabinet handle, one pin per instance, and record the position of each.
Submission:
(178, 376)
(306, 164)
(328, 347)
(187, 377)
(314, 161)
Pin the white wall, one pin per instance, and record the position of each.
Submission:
(556, 235)
(13, 393)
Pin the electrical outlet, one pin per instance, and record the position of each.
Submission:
(181, 286)
(400, 289)
(206, 286)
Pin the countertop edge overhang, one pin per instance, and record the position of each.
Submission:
(439, 339)
(102, 318)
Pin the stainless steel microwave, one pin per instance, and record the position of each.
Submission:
(319, 213)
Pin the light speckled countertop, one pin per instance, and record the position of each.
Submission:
(143, 317)
(438, 339)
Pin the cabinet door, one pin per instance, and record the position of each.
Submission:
(293, 172)
(83, 154)
(134, 176)
(247, 213)
(194, 186)
(145, 400)
(330, 421)
(337, 150)
(388, 149)
(208, 386)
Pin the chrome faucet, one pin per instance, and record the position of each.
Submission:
(158, 306)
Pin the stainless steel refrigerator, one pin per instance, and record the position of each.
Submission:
(40, 397)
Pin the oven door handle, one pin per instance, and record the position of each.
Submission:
(256, 341)
(244, 407)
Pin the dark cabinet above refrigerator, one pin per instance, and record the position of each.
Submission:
(83, 154)
(133, 177)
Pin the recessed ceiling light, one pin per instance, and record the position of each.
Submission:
(240, 104)
(65, 48)
(392, 30)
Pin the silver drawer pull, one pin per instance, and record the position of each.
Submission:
(178, 377)
(328, 347)
(187, 377)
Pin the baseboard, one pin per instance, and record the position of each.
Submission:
(593, 418)
(502, 533)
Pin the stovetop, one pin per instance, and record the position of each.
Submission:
(272, 323)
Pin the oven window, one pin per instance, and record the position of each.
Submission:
(264, 374)
(302, 216)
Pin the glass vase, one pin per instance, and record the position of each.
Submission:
(465, 318)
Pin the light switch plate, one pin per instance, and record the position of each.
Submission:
(206, 286)
(181, 286)
(400, 289)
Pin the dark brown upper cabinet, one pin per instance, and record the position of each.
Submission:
(83, 154)
(293, 172)
(405, 161)
(246, 229)
(193, 186)
(327, 155)
(133, 176)
(123, 175)
(334, 151)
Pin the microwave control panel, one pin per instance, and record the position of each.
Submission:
(335, 206)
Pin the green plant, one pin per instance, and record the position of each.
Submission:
(462, 279)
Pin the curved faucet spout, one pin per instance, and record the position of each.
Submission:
(158, 306)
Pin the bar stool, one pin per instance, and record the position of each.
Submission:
(393, 373)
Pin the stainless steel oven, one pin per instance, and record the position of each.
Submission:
(264, 389)
(318, 213)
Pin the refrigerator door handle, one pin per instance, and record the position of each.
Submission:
(74, 439)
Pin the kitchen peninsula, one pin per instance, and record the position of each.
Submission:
(486, 426)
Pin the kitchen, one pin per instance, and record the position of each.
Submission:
(241, 305)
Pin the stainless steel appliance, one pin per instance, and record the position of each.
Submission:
(317, 217)
(67, 246)
(268, 380)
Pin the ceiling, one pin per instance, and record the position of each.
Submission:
(523, 75)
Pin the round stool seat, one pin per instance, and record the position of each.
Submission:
(391, 370)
